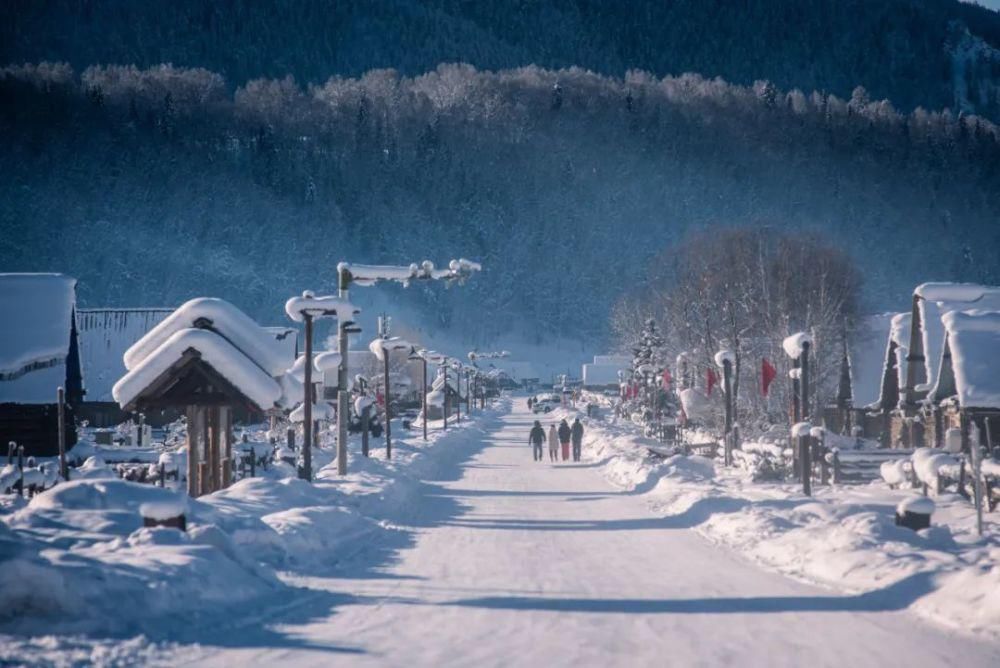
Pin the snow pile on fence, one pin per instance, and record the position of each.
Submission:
(844, 537)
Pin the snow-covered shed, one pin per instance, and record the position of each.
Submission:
(970, 363)
(105, 335)
(39, 353)
(927, 333)
(211, 359)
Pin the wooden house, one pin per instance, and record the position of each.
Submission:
(871, 378)
(917, 422)
(210, 360)
(39, 353)
(967, 386)
(105, 335)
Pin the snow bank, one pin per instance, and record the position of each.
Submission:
(696, 404)
(76, 559)
(844, 537)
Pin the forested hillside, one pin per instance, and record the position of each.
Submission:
(156, 185)
(934, 53)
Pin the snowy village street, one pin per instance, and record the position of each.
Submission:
(524, 563)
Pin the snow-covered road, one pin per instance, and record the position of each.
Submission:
(514, 562)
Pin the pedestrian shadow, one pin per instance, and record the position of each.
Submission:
(895, 597)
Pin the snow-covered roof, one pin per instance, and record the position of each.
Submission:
(225, 319)
(216, 351)
(868, 349)
(972, 373)
(37, 315)
(105, 334)
(936, 299)
(595, 375)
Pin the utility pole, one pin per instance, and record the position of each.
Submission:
(305, 309)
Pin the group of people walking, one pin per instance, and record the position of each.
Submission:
(560, 438)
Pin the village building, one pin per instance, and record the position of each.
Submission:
(967, 386)
(857, 404)
(603, 373)
(917, 422)
(39, 353)
(105, 334)
(210, 360)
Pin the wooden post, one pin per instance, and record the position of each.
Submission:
(214, 457)
(203, 478)
(423, 398)
(971, 446)
(727, 386)
(388, 402)
(20, 470)
(805, 455)
(447, 401)
(253, 462)
(458, 399)
(365, 427)
(343, 398)
(193, 432)
(226, 432)
(290, 438)
(61, 398)
(162, 473)
(306, 473)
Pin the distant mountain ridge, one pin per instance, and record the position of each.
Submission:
(930, 53)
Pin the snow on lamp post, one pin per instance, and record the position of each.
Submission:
(725, 360)
(306, 309)
(381, 348)
(796, 347)
(369, 274)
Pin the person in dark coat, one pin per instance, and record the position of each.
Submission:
(536, 438)
(576, 433)
(564, 436)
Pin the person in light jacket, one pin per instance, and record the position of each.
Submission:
(553, 443)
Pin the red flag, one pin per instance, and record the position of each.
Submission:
(666, 378)
(767, 374)
(710, 380)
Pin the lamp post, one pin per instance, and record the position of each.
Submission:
(367, 274)
(724, 359)
(797, 347)
(306, 309)
(382, 348)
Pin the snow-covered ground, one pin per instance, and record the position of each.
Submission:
(842, 537)
(467, 552)
(80, 572)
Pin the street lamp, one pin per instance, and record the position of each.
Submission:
(368, 274)
(381, 348)
(306, 309)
